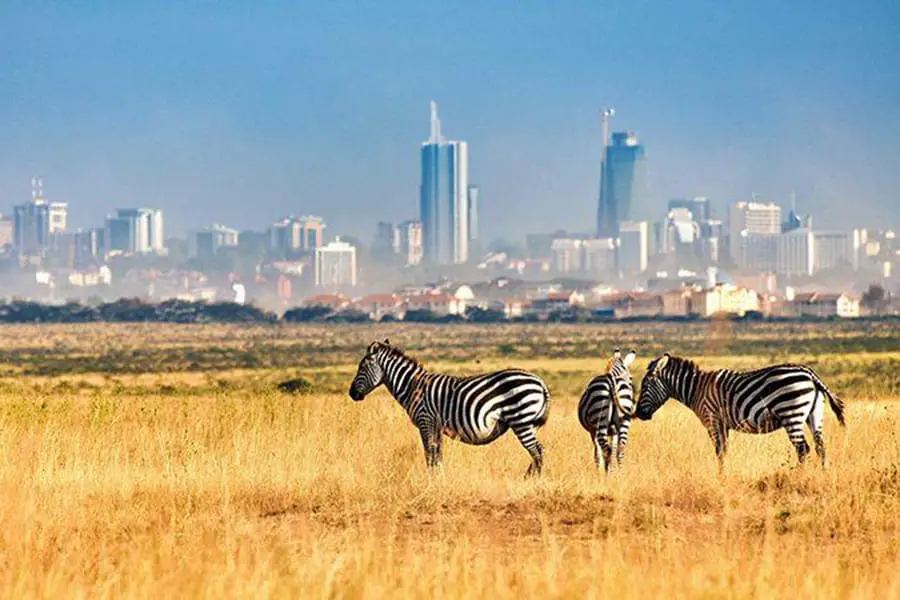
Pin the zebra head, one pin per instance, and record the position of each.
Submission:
(622, 384)
(369, 374)
(654, 391)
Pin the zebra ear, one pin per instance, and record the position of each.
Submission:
(661, 362)
(372, 348)
(387, 342)
(617, 354)
(629, 358)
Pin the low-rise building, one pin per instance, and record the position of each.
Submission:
(379, 305)
(817, 304)
(439, 304)
(724, 299)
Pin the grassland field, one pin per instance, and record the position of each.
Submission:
(161, 461)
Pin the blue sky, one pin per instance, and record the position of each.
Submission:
(218, 111)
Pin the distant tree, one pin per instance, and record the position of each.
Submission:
(348, 316)
(420, 316)
(476, 314)
(305, 314)
(875, 298)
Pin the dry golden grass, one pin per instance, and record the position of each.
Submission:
(234, 495)
(209, 484)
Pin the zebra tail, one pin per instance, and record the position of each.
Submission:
(837, 405)
(542, 420)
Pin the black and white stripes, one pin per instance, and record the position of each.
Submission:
(606, 407)
(781, 396)
(475, 410)
(479, 409)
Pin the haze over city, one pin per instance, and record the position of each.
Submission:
(239, 115)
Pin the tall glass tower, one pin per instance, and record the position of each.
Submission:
(443, 198)
(624, 192)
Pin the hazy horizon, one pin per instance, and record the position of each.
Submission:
(221, 113)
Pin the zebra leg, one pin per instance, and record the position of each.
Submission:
(718, 433)
(527, 436)
(795, 433)
(602, 450)
(431, 443)
(815, 422)
(622, 442)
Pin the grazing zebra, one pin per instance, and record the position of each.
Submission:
(475, 410)
(606, 407)
(761, 401)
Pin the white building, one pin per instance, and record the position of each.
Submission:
(599, 255)
(748, 219)
(411, 242)
(757, 252)
(567, 255)
(803, 252)
(832, 250)
(135, 230)
(205, 243)
(336, 265)
(634, 246)
(796, 256)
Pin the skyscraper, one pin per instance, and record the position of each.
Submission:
(336, 265)
(443, 197)
(135, 230)
(623, 185)
(35, 221)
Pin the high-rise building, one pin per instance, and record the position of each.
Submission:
(568, 256)
(634, 247)
(832, 250)
(443, 197)
(386, 244)
(135, 231)
(410, 242)
(599, 256)
(624, 192)
(205, 243)
(292, 234)
(795, 253)
(34, 221)
(6, 231)
(747, 220)
(336, 265)
(473, 213)
(698, 206)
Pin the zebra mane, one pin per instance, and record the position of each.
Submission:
(394, 351)
(680, 363)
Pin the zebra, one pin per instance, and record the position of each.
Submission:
(606, 408)
(475, 410)
(761, 401)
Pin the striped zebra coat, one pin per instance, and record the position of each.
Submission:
(781, 396)
(475, 410)
(606, 407)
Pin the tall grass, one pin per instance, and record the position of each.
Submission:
(240, 493)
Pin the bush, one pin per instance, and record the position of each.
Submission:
(305, 314)
(476, 314)
(421, 316)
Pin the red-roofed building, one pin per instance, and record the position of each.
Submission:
(439, 304)
(379, 305)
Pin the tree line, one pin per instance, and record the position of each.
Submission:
(135, 310)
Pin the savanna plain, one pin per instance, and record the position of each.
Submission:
(163, 461)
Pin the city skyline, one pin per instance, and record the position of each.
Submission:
(320, 116)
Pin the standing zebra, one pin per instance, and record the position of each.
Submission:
(476, 410)
(606, 407)
(758, 401)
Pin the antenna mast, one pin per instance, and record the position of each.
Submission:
(435, 123)
(605, 116)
